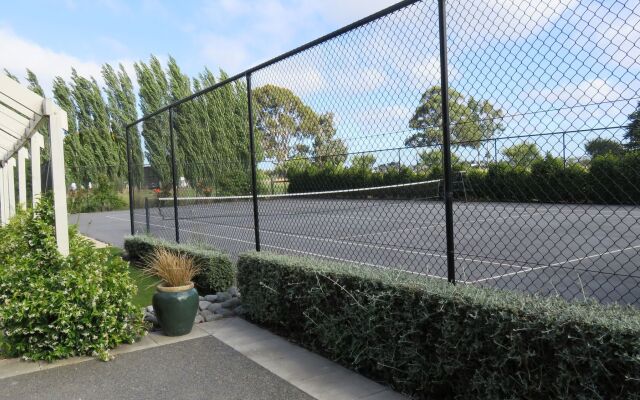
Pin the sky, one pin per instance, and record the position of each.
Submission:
(51, 36)
(568, 69)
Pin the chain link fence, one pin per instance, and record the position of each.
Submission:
(484, 143)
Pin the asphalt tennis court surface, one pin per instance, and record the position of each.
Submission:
(577, 251)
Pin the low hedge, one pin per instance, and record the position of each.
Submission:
(217, 271)
(434, 340)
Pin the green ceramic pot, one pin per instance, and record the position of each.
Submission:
(175, 308)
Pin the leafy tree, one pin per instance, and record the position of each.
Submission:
(327, 149)
(121, 106)
(432, 162)
(363, 162)
(633, 130)
(10, 75)
(522, 154)
(471, 120)
(599, 146)
(62, 97)
(224, 130)
(388, 167)
(98, 152)
(154, 95)
(34, 85)
(282, 121)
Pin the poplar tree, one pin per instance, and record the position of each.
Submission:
(121, 107)
(153, 95)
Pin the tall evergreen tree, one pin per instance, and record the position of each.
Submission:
(10, 75)
(121, 106)
(62, 97)
(34, 85)
(99, 149)
(155, 131)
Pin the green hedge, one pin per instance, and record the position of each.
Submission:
(609, 179)
(434, 340)
(217, 271)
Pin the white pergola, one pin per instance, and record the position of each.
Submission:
(21, 113)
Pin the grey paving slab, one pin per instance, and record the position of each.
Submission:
(315, 375)
(202, 368)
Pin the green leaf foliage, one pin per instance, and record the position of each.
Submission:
(217, 272)
(434, 340)
(54, 307)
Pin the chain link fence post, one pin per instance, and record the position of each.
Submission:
(174, 175)
(254, 172)
(130, 179)
(446, 141)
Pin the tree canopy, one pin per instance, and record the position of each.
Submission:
(522, 154)
(471, 120)
(632, 133)
(598, 147)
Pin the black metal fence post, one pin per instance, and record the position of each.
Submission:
(147, 218)
(174, 175)
(446, 141)
(130, 178)
(254, 174)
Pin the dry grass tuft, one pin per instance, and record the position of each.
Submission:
(174, 269)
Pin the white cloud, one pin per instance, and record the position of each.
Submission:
(587, 92)
(621, 38)
(20, 53)
(480, 20)
(357, 79)
(229, 54)
(302, 80)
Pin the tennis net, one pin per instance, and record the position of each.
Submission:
(318, 202)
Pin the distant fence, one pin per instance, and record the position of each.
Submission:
(492, 144)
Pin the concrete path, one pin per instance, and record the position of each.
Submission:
(225, 359)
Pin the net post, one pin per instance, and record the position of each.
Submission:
(174, 175)
(146, 215)
(130, 178)
(446, 142)
(254, 174)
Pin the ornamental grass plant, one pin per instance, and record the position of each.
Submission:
(174, 269)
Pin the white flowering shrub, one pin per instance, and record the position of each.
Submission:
(53, 307)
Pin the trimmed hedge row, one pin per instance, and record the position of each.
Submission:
(217, 271)
(434, 340)
(610, 179)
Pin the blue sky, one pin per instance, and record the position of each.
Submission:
(51, 36)
(550, 65)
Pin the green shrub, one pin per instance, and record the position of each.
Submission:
(435, 340)
(610, 179)
(103, 197)
(54, 307)
(217, 271)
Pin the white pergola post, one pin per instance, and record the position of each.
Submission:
(23, 154)
(57, 128)
(11, 187)
(37, 144)
(21, 113)
(4, 212)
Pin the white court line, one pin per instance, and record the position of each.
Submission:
(292, 250)
(463, 223)
(574, 260)
(367, 245)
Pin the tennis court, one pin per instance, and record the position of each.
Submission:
(573, 250)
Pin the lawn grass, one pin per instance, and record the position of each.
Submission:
(146, 285)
